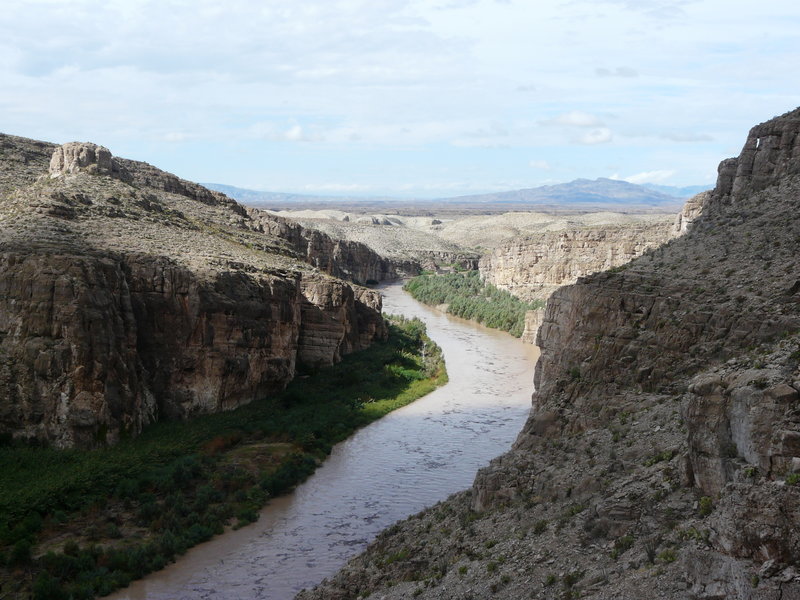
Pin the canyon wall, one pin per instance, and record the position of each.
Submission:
(662, 454)
(532, 268)
(343, 258)
(406, 247)
(128, 295)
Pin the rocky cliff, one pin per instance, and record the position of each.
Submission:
(534, 267)
(662, 455)
(408, 245)
(128, 295)
(339, 257)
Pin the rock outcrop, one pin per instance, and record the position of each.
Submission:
(128, 295)
(662, 456)
(78, 157)
(347, 259)
(691, 212)
(770, 154)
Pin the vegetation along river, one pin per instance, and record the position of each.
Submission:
(410, 459)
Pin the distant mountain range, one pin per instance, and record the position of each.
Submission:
(679, 192)
(581, 193)
(257, 197)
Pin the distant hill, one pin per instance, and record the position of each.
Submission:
(261, 198)
(679, 192)
(581, 194)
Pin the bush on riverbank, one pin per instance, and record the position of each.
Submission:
(77, 524)
(467, 296)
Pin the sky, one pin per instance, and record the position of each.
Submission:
(405, 98)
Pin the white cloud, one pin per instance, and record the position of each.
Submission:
(540, 164)
(601, 135)
(482, 83)
(175, 136)
(649, 177)
(618, 72)
(294, 134)
(277, 132)
(575, 118)
(656, 9)
(687, 137)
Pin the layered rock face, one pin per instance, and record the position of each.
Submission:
(347, 259)
(533, 268)
(662, 455)
(129, 295)
(405, 250)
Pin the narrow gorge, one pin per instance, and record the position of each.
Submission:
(661, 457)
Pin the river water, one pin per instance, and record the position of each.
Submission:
(393, 468)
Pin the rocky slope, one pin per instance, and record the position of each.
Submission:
(661, 459)
(409, 244)
(128, 295)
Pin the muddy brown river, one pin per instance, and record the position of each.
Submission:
(393, 468)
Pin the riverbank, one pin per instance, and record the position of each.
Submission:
(76, 524)
(394, 467)
(465, 295)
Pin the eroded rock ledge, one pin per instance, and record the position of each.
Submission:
(128, 295)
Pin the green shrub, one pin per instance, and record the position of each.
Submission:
(667, 556)
(572, 578)
(621, 544)
(47, 587)
(21, 552)
(176, 479)
(539, 527)
(470, 298)
(245, 517)
(706, 505)
(660, 457)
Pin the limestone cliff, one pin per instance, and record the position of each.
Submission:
(344, 258)
(406, 250)
(128, 295)
(662, 456)
(532, 268)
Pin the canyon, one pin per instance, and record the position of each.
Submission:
(128, 295)
(663, 447)
(529, 254)
(661, 458)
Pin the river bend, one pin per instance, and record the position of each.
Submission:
(410, 459)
